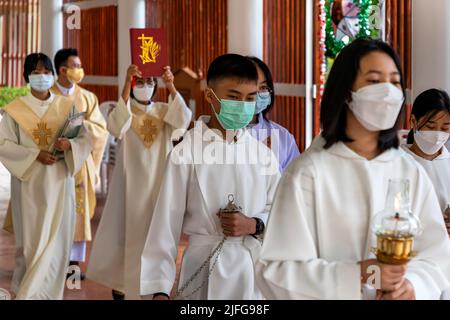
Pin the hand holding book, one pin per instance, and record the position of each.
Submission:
(62, 144)
(70, 130)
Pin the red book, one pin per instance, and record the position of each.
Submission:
(149, 51)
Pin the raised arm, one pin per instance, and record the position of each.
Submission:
(179, 115)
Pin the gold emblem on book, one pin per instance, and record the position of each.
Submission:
(42, 134)
(150, 49)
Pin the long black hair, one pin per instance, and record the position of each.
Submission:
(428, 104)
(343, 74)
(269, 79)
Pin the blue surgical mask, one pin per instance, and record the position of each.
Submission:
(41, 82)
(234, 115)
(263, 100)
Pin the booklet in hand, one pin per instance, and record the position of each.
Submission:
(70, 129)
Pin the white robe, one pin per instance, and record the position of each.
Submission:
(43, 206)
(439, 172)
(192, 192)
(319, 226)
(118, 244)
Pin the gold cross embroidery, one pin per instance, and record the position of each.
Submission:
(148, 130)
(42, 134)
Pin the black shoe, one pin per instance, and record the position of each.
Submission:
(117, 295)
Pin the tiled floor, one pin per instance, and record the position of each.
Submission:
(89, 289)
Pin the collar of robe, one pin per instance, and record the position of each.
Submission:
(38, 107)
(66, 91)
(341, 150)
(215, 135)
(31, 100)
(445, 154)
(147, 108)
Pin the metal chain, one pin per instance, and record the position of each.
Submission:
(217, 250)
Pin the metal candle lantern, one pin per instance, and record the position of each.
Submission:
(231, 206)
(396, 226)
(209, 263)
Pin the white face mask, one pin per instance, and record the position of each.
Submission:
(41, 82)
(377, 106)
(143, 94)
(430, 142)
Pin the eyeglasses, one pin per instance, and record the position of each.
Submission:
(264, 91)
(140, 83)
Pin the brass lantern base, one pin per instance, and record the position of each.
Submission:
(394, 250)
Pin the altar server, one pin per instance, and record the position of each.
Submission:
(275, 136)
(146, 131)
(319, 237)
(430, 122)
(42, 186)
(70, 73)
(218, 165)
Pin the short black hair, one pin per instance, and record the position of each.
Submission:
(338, 89)
(62, 56)
(32, 61)
(428, 104)
(266, 70)
(232, 66)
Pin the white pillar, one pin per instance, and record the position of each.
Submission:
(245, 27)
(309, 85)
(51, 21)
(131, 14)
(431, 45)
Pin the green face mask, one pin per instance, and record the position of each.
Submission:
(234, 115)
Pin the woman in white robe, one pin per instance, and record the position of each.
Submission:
(430, 121)
(146, 131)
(319, 236)
(42, 187)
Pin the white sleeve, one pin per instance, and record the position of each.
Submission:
(18, 159)
(289, 266)
(119, 119)
(429, 271)
(272, 184)
(178, 115)
(81, 148)
(158, 262)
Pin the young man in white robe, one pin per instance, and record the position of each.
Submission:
(320, 233)
(216, 162)
(42, 186)
(70, 73)
(146, 131)
(430, 122)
